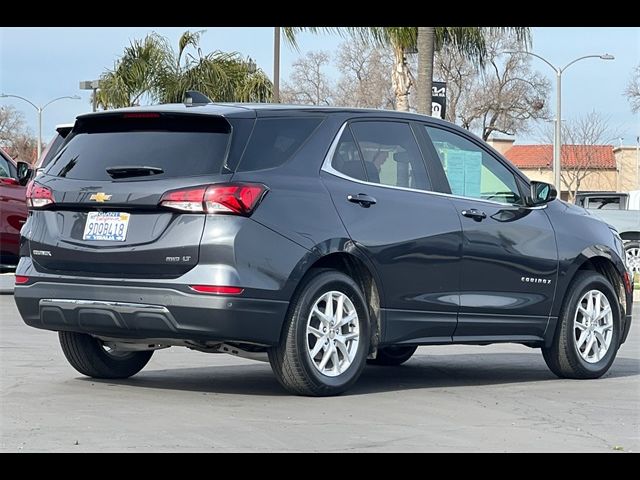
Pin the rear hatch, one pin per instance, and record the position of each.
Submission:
(107, 182)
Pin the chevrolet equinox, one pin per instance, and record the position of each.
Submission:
(319, 239)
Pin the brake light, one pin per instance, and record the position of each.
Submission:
(141, 115)
(21, 279)
(38, 196)
(217, 289)
(229, 198)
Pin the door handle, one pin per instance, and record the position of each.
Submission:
(477, 215)
(363, 199)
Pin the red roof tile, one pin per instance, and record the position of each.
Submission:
(541, 156)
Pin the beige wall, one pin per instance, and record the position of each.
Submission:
(625, 178)
(501, 144)
(627, 160)
(595, 180)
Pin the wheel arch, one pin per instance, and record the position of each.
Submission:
(344, 257)
(608, 268)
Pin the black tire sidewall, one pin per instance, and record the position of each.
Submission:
(397, 352)
(87, 355)
(319, 285)
(592, 281)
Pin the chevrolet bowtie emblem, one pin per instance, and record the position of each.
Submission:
(100, 197)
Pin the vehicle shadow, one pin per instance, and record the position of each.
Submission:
(422, 371)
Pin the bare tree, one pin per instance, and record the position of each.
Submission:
(15, 137)
(581, 154)
(308, 83)
(632, 92)
(364, 81)
(502, 97)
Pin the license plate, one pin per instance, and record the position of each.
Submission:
(109, 226)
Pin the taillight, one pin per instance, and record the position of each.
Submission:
(217, 289)
(229, 198)
(21, 279)
(38, 196)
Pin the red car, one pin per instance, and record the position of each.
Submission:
(13, 212)
(13, 205)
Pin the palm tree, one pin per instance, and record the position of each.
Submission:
(426, 51)
(150, 69)
(469, 40)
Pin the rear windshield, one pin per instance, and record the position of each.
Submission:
(176, 146)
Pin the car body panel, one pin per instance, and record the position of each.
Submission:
(13, 214)
(440, 278)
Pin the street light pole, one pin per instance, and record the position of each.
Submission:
(39, 110)
(557, 141)
(276, 64)
(91, 85)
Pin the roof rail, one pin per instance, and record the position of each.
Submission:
(193, 97)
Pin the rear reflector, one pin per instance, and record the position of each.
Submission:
(217, 289)
(229, 198)
(628, 284)
(21, 279)
(38, 196)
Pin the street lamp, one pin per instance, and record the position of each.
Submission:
(39, 110)
(557, 142)
(91, 85)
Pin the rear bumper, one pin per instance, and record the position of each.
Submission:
(130, 312)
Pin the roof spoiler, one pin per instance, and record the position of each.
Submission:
(193, 97)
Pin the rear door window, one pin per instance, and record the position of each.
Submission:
(178, 145)
(391, 155)
(346, 158)
(276, 140)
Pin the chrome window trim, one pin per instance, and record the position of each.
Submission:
(328, 168)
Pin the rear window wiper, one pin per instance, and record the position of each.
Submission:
(133, 171)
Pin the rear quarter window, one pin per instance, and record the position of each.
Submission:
(276, 140)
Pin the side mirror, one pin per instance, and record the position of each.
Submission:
(541, 193)
(24, 173)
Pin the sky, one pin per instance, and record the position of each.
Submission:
(47, 62)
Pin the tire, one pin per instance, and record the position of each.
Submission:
(88, 356)
(632, 251)
(291, 360)
(391, 356)
(563, 357)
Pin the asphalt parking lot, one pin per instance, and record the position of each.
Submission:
(496, 398)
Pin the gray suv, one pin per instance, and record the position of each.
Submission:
(315, 238)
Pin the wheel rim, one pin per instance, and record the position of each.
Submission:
(333, 332)
(593, 326)
(633, 259)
